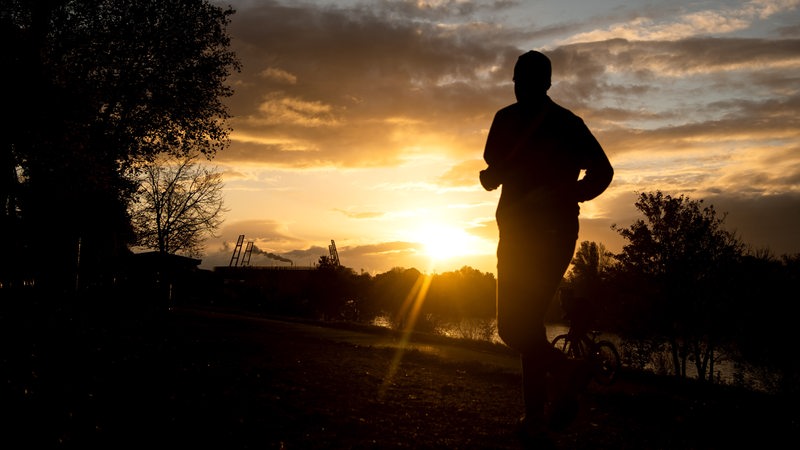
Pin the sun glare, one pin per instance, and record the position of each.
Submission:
(442, 242)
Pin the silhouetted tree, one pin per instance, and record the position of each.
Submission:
(96, 86)
(464, 293)
(763, 321)
(394, 294)
(588, 278)
(178, 204)
(338, 292)
(682, 251)
(589, 265)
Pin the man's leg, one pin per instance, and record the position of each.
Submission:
(529, 272)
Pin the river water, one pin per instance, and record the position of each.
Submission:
(725, 371)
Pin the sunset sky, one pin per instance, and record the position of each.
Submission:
(365, 121)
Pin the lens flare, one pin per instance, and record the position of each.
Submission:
(408, 314)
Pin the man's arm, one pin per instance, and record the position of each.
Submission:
(490, 177)
(599, 172)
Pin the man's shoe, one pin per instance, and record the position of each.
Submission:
(561, 412)
(534, 434)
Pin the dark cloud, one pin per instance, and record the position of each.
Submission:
(760, 221)
(583, 70)
(308, 257)
(792, 31)
(359, 79)
(764, 221)
(750, 120)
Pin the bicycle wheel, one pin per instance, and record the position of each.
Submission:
(568, 346)
(605, 362)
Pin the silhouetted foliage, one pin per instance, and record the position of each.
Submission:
(589, 267)
(177, 205)
(678, 262)
(97, 85)
(402, 294)
(393, 294)
(464, 293)
(762, 318)
(338, 292)
(588, 278)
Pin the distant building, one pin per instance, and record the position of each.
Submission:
(275, 289)
(164, 276)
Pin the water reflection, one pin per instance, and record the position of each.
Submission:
(725, 370)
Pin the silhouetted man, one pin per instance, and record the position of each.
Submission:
(536, 150)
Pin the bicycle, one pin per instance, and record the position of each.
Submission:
(580, 342)
(602, 355)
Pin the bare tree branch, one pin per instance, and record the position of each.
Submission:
(178, 205)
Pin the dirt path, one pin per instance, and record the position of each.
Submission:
(200, 380)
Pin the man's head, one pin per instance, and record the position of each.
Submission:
(532, 76)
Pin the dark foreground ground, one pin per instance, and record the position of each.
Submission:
(189, 379)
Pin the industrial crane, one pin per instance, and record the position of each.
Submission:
(334, 254)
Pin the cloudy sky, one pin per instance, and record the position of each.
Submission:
(364, 122)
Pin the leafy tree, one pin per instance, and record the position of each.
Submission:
(763, 319)
(178, 204)
(590, 266)
(95, 87)
(464, 293)
(338, 292)
(588, 278)
(464, 300)
(683, 252)
(395, 293)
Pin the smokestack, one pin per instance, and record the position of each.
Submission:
(269, 255)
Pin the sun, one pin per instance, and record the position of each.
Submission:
(444, 242)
